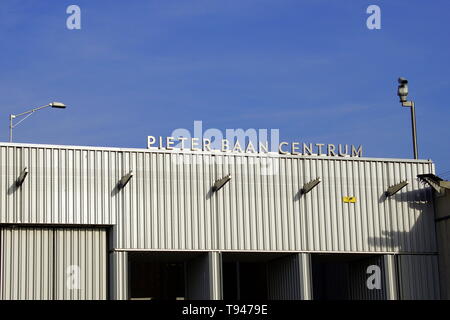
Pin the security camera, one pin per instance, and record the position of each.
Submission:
(402, 80)
(402, 90)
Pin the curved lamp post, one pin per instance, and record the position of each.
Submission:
(28, 113)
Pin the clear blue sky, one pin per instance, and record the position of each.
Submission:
(310, 68)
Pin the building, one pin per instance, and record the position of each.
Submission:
(110, 223)
(441, 191)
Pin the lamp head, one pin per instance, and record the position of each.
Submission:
(58, 105)
(402, 90)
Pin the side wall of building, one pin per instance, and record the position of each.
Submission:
(169, 203)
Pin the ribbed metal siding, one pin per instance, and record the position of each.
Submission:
(265, 212)
(176, 209)
(26, 264)
(168, 203)
(118, 275)
(290, 278)
(443, 233)
(80, 254)
(390, 276)
(358, 276)
(63, 186)
(215, 275)
(34, 263)
(419, 277)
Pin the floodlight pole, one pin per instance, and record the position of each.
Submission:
(413, 126)
(414, 134)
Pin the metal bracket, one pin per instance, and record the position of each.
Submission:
(220, 183)
(22, 177)
(396, 188)
(125, 179)
(434, 181)
(310, 185)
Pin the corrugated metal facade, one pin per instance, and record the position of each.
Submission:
(26, 264)
(442, 204)
(418, 277)
(215, 272)
(169, 205)
(63, 186)
(118, 275)
(391, 276)
(46, 263)
(443, 233)
(289, 278)
(259, 209)
(82, 254)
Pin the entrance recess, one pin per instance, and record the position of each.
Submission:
(266, 276)
(171, 275)
(345, 276)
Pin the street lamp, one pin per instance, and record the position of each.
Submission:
(402, 92)
(58, 105)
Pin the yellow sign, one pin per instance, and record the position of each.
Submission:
(349, 199)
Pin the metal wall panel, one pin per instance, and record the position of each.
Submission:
(118, 277)
(47, 263)
(266, 212)
(26, 264)
(390, 276)
(215, 275)
(290, 278)
(418, 277)
(80, 264)
(169, 204)
(442, 210)
(443, 235)
(63, 186)
(166, 205)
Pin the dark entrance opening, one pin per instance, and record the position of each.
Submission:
(160, 275)
(246, 275)
(344, 276)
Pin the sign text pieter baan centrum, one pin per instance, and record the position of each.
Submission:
(286, 148)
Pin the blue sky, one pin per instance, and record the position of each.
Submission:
(309, 68)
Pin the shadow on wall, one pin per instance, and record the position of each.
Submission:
(12, 188)
(210, 193)
(418, 236)
(298, 195)
(115, 190)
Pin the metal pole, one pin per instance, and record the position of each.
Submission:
(28, 113)
(11, 117)
(414, 134)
